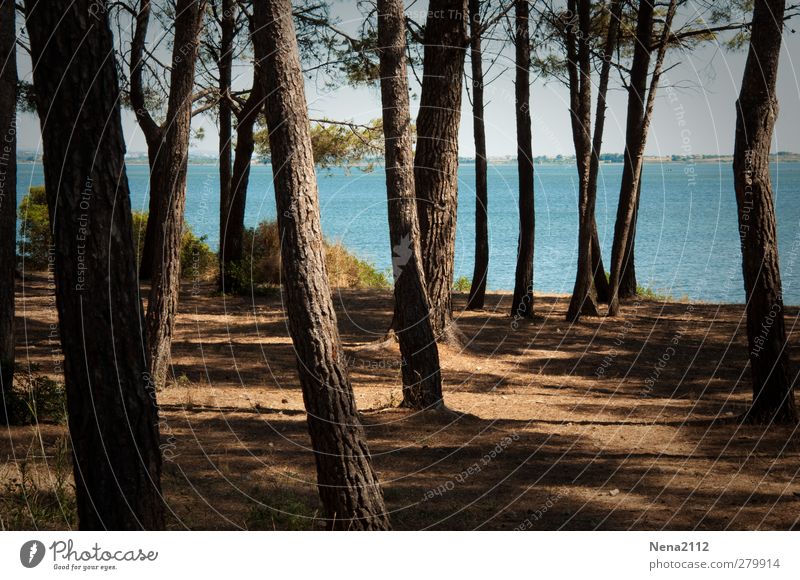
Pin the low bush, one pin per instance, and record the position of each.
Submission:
(36, 399)
(462, 284)
(197, 259)
(260, 270)
(33, 245)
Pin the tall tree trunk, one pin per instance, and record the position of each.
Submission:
(637, 95)
(166, 281)
(522, 301)
(225, 65)
(8, 198)
(348, 486)
(232, 250)
(598, 270)
(153, 134)
(640, 111)
(422, 378)
(756, 111)
(477, 291)
(111, 402)
(436, 159)
(584, 295)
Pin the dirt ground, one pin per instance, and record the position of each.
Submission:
(605, 424)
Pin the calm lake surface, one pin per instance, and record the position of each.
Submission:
(686, 243)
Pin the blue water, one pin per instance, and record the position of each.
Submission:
(686, 244)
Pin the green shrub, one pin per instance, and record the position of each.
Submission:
(462, 284)
(40, 492)
(34, 242)
(260, 269)
(198, 262)
(279, 508)
(197, 259)
(139, 228)
(36, 400)
(651, 294)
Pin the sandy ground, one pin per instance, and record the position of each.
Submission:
(606, 424)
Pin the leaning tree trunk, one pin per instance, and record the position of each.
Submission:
(756, 111)
(232, 243)
(598, 270)
(640, 112)
(584, 295)
(628, 286)
(111, 402)
(480, 273)
(225, 65)
(628, 193)
(348, 486)
(156, 165)
(422, 377)
(153, 134)
(436, 159)
(522, 301)
(8, 199)
(162, 305)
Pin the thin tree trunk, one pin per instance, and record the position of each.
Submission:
(640, 113)
(225, 65)
(422, 378)
(600, 279)
(153, 134)
(584, 295)
(165, 286)
(522, 301)
(8, 198)
(756, 112)
(628, 286)
(111, 402)
(477, 291)
(598, 270)
(436, 159)
(232, 249)
(155, 155)
(348, 486)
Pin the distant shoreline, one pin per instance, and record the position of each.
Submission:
(774, 158)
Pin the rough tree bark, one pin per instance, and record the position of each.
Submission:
(162, 168)
(225, 110)
(477, 291)
(522, 301)
(598, 270)
(231, 249)
(166, 279)
(422, 378)
(348, 486)
(436, 158)
(584, 295)
(637, 95)
(756, 112)
(640, 111)
(8, 198)
(111, 403)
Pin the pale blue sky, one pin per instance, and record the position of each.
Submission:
(714, 73)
